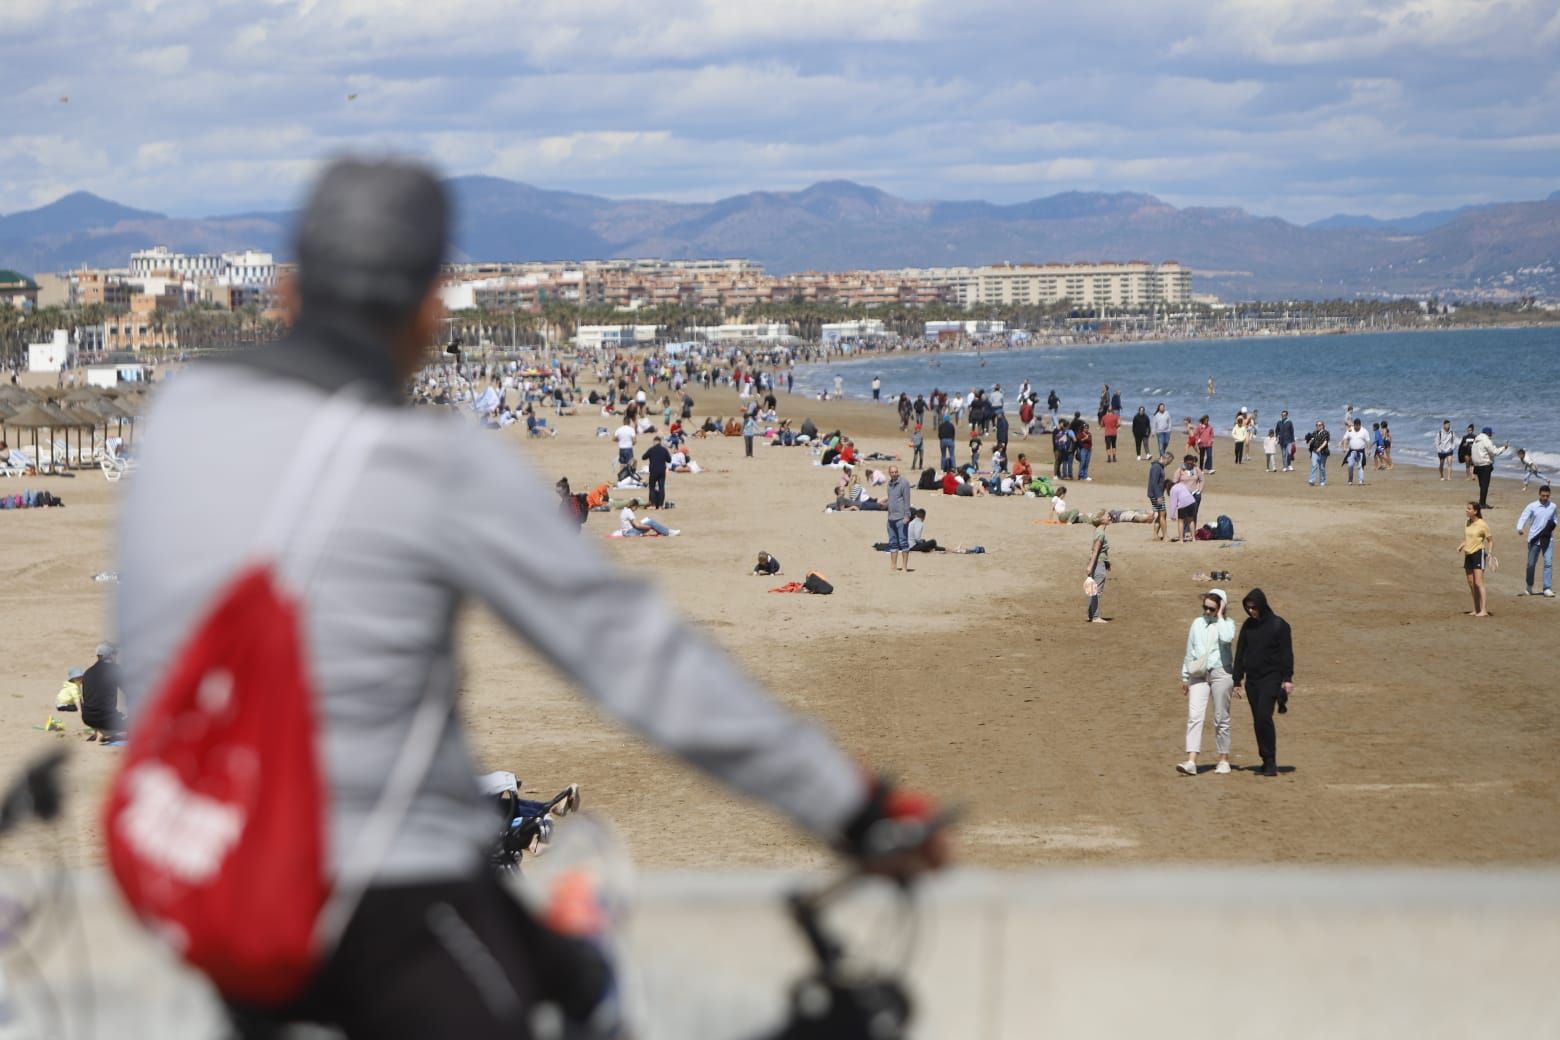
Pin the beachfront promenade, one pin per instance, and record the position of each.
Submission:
(1170, 952)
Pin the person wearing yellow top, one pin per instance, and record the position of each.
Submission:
(1478, 549)
(69, 697)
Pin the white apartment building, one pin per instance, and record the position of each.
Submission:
(763, 332)
(838, 331)
(595, 337)
(1135, 283)
(246, 268)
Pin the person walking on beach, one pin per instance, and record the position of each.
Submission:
(1205, 673)
(1539, 521)
(1357, 447)
(1285, 430)
(899, 514)
(1203, 437)
(1465, 450)
(1156, 493)
(418, 517)
(917, 446)
(1240, 433)
(1445, 446)
(1160, 422)
(1483, 455)
(1141, 428)
(1316, 442)
(1110, 425)
(1099, 567)
(1053, 403)
(946, 433)
(1265, 667)
(877, 388)
(1478, 552)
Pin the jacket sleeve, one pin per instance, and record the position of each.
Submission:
(1286, 655)
(1190, 656)
(1240, 656)
(625, 645)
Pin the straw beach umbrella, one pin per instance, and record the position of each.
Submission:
(35, 417)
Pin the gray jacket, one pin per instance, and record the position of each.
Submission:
(899, 498)
(442, 513)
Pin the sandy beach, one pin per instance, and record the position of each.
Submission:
(1416, 735)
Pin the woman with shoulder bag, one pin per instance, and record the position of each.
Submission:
(1205, 670)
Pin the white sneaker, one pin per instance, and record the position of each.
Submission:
(676, 532)
(1189, 767)
(1549, 593)
(1222, 768)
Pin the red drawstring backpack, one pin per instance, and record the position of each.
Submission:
(216, 819)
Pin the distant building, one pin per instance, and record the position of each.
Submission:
(246, 268)
(838, 331)
(764, 332)
(52, 355)
(1134, 284)
(596, 337)
(972, 329)
(17, 290)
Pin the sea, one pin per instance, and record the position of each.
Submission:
(1507, 379)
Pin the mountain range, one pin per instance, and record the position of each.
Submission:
(1492, 251)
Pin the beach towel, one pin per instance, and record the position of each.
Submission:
(790, 586)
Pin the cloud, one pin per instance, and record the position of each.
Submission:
(1284, 107)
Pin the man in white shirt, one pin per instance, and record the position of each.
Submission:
(1357, 441)
(625, 441)
(1482, 454)
(633, 527)
(1539, 519)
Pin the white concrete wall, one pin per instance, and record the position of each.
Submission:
(1153, 953)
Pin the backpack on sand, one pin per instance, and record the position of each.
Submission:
(817, 584)
(1223, 529)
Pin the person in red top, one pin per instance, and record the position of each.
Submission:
(848, 452)
(1110, 422)
(950, 483)
(1023, 473)
(1203, 437)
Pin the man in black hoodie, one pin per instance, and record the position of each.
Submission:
(1265, 664)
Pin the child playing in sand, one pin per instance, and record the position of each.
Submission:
(1530, 469)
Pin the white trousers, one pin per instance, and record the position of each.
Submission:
(1219, 683)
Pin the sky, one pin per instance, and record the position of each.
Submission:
(1284, 108)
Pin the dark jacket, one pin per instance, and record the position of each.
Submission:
(658, 458)
(1263, 649)
(100, 696)
(946, 430)
(1156, 479)
(1285, 431)
(1140, 425)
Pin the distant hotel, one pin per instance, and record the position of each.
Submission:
(1134, 284)
(629, 285)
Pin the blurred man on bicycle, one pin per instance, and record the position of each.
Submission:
(436, 946)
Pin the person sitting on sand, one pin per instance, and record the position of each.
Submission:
(69, 696)
(733, 428)
(766, 565)
(1023, 472)
(636, 528)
